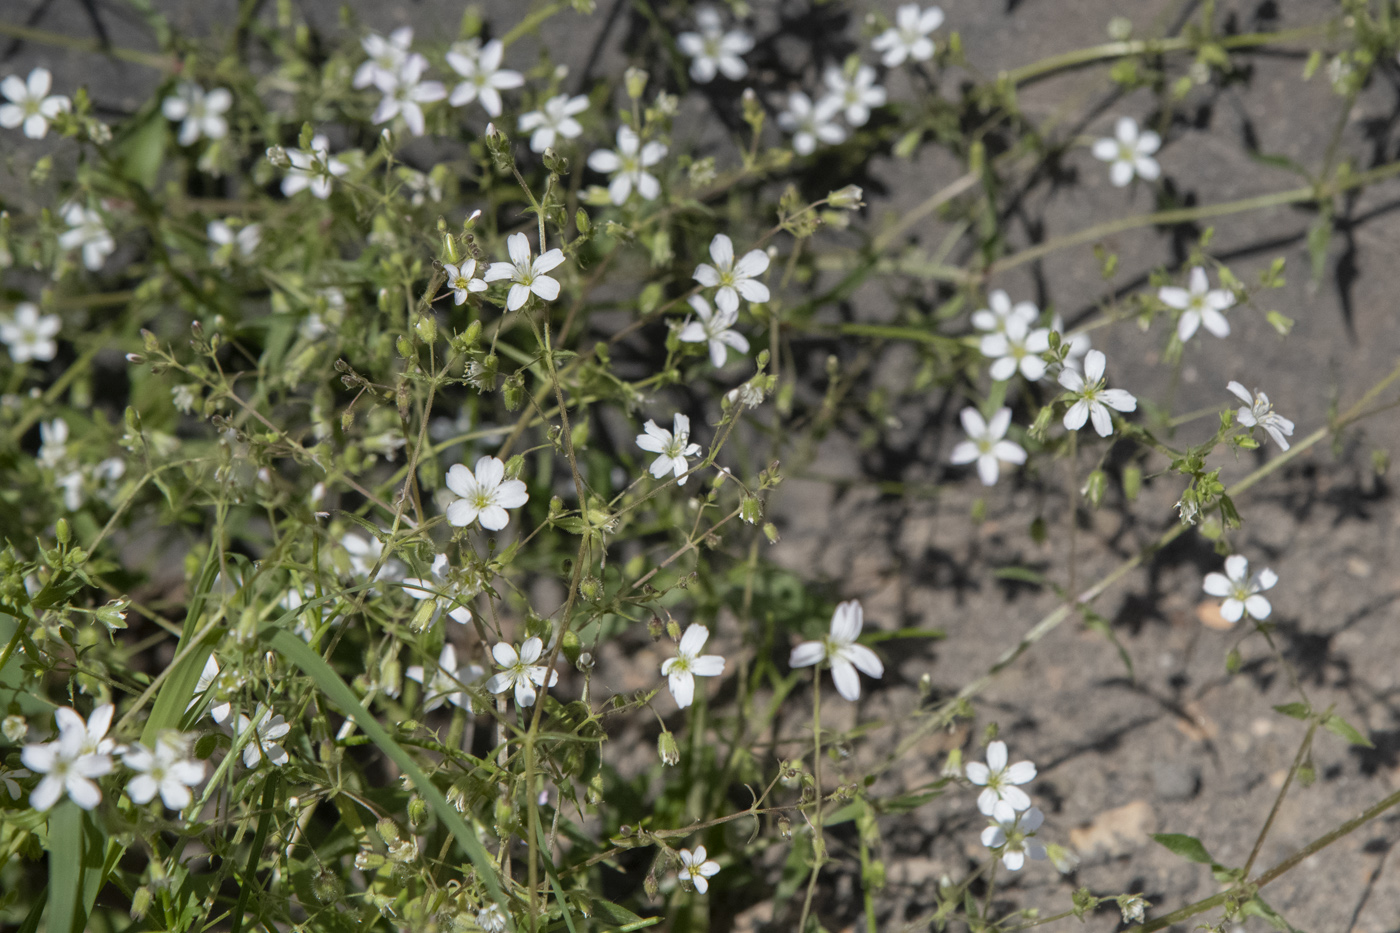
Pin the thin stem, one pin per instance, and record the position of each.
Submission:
(1298, 760)
(818, 843)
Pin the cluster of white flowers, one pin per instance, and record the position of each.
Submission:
(851, 93)
(1014, 821)
(30, 105)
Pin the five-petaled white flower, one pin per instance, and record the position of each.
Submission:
(438, 588)
(909, 37)
(386, 57)
(480, 65)
(1013, 833)
(29, 335)
(1260, 411)
(1000, 310)
(226, 242)
(696, 869)
(1130, 151)
(712, 50)
(485, 494)
(447, 681)
(987, 445)
(198, 112)
(1092, 397)
(714, 328)
(528, 277)
(264, 737)
(841, 650)
(30, 104)
(1241, 591)
(81, 752)
(168, 771)
(689, 663)
(1198, 305)
(733, 279)
(87, 232)
(1016, 347)
(520, 671)
(405, 93)
(671, 447)
(628, 166)
(854, 94)
(556, 117)
(461, 279)
(811, 123)
(999, 780)
(314, 169)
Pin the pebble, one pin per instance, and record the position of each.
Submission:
(1175, 780)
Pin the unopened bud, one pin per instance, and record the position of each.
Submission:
(555, 162)
(847, 198)
(666, 748)
(278, 157)
(635, 80)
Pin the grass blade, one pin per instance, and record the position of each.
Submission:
(250, 876)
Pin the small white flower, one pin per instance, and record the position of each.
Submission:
(363, 552)
(671, 447)
(1240, 591)
(419, 588)
(1092, 397)
(986, 444)
(1016, 348)
(1130, 151)
(219, 686)
(1260, 412)
(628, 165)
(198, 113)
(447, 681)
(733, 279)
(168, 771)
(480, 65)
(87, 232)
(556, 117)
(714, 328)
(696, 869)
(520, 671)
(811, 123)
(909, 37)
(28, 335)
(491, 919)
(264, 738)
(485, 494)
(461, 280)
(386, 57)
(841, 650)
(528, 277)
(1199, 305)
(53, 442)
(405, 94)
(854, 94)
(314, 169)
(1000, 780)
(1013, 833)
(712, 50)
(993, 319)
(689, 663)
(31, 105)
(225, 241)
(81, 752)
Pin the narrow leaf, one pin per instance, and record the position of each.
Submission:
(1188, 847)
(1339, 726)
(1295, 710)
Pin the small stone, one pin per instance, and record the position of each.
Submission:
(1208, 612)
(1175, 780)
(1116, 832)
(1358, 568)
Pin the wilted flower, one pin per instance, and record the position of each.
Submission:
(841, 650)
(1130, 151)
(1260, 412)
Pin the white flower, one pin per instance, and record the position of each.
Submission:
(733, 279)
(314, 169)
(1130, 151)
(419, 588)
(485, 78)
(811, 123)
(696, 870)
(86, 231)
(1092, 396)
(405, 94)
(1013, 834)
(53, 442)
(485, 495)
(364, 551)
(520, 671)
(855, 94)
(628, 166)
(671, 447)
(993, 319)
(528, 277)
(842, 651)
(1016, 347)
(1000, 780)
(986, 444)
(1260, 412)
(168, 771)
(225, 241)
(1200, 305)
(689, 663)
(82, 752)
(264, 738)
(27, 335)
(491, 919)
(556, 117)
(386, 57)
(461, 280)
(712, 50)
(219, 686)
(909, 37)
(30, 104)
(447, 681)
(714, 328)
(202, 113)
(1240, 591)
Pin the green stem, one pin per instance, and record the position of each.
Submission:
(818, 844)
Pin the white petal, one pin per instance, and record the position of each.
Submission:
(694, 639)
(682, 686)
(1217, 584)
(807, 654)
(846, 679)
(1258, 607)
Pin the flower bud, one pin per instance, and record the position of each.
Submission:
(14, 728)
(635, 80)
(278, 157)
(666, 748)
(847, 198)
(556, 163)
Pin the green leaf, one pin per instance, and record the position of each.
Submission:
(143, 149)
(178, 689)
(1188, 847)
(1256, 907)
(75, 868)
(1295, 710)
(1339, 726)
(1020, 574)
(250, 874)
